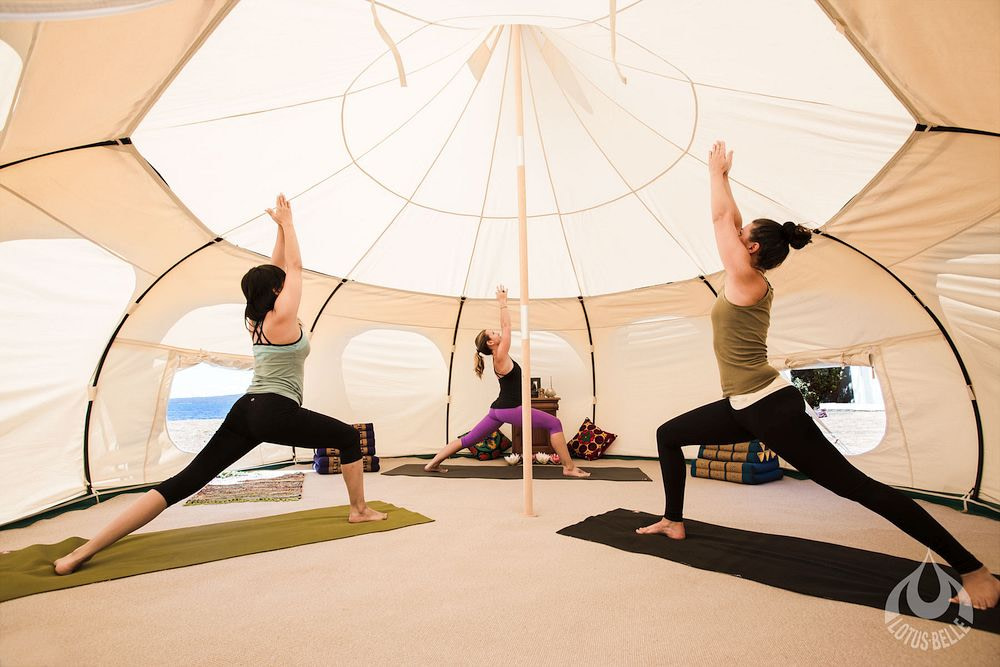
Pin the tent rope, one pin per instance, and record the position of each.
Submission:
(391, 44)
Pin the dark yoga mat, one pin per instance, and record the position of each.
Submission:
(819, 569)
(515, 472)
(29, 570)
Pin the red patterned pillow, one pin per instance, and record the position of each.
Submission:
(590, 442)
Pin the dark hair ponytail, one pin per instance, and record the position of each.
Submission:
(774, 240)
(260, 287)
(796, 235)
(482, 347)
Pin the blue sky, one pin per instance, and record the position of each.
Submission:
(207, 380)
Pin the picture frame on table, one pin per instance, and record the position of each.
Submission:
(536, 387)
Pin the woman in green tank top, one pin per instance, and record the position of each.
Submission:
(270, 411)
(758, 404)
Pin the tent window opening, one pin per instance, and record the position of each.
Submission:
(200, 397)
(10, 73)
(846, 402)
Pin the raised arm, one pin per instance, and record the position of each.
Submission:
(278, 254)
(726, 218)
(502, 353)
(283, 324)
(744, 284)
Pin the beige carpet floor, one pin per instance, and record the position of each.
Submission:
(482, 585)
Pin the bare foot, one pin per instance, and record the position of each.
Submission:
(980, 589)
(69, 563)
(672, 529)
(367, 515)
(575, 472)
(430, 467)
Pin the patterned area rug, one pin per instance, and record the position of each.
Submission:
(250, 487)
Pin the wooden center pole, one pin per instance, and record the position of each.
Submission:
(522, 219)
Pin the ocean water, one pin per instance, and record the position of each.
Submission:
(200, 407)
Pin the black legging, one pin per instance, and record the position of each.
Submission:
(257, 418)
(780, 422)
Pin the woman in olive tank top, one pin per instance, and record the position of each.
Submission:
(270, 411)
(759, 404)
(506, 409)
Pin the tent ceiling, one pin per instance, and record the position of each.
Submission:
(414, 187)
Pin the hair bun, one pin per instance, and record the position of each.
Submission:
(796, 235)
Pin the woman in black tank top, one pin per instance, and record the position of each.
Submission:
(506, 409)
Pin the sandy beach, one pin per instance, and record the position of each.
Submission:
(190, 435)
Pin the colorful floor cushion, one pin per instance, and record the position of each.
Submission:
(492, 447)
(330, 465)
(366, 450)
(734, 466)
(590, 442)
(749, 452)
(740, 477)
(367, 433)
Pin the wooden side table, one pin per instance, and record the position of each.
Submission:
(539, 436)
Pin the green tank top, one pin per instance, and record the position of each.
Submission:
(739, 335)
(280, 369)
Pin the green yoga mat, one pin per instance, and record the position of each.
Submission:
(29, 570)
(608, 474)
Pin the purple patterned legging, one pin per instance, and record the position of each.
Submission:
(497, 416)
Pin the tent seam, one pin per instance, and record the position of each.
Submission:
(489, 175)
(195, 46)
(427, 173)
(548, 171)
(685, 151)
(20, 81)
(632, 191)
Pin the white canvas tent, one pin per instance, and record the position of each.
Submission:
(875, 123)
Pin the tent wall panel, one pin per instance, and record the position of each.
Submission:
(397, 378)
(22, 220)
(207, 278)
(940, 184)
(829, 296)
(960, 281)
(62, 298)
(126, 56)
(110, 196)
(943, 86)
(926, 386)
(649, 371)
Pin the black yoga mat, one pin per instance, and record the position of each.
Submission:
(515, 472)
(820, 569)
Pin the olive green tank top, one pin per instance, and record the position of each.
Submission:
(280, 369)
(739, 335)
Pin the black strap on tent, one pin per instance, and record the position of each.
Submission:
(451, 366)
(104, 356)
(124, 141)
(343, 281)
(951, 343)
(961, 130)
(593, 365)
(708, 285)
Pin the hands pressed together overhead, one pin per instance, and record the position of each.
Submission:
(718, 160)
(282, 211)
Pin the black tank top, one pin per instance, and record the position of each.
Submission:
(510, 389)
